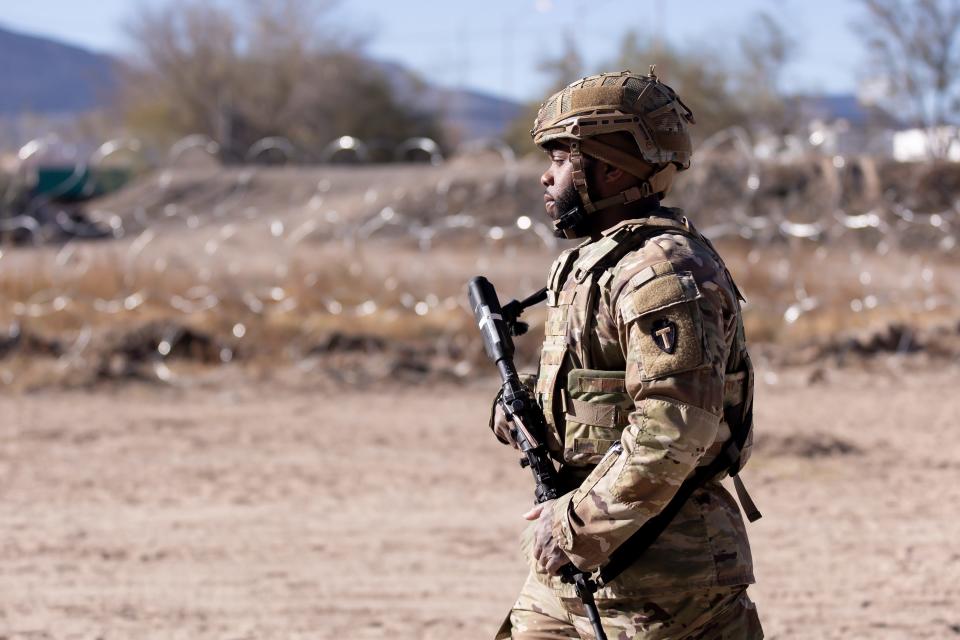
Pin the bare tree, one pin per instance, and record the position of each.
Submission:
(722, 90)
(700, 77)
(915, 46)
(276, 68)
(566, 67)
(184, 72)
(765, 49)
(559, 72)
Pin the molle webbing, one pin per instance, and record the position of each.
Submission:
(597, 414)
(597, 408)
(554, 353)
(595, 384)
(560, 271)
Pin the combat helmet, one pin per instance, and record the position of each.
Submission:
(625, 119)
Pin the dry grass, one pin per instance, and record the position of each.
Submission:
(266, 298)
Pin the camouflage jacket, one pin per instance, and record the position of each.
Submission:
(644, 347)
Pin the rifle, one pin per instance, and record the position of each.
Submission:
(497, 325)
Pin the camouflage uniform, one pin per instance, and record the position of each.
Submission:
(644, 347)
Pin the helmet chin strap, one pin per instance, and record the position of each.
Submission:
(580, 177)
(568, 223)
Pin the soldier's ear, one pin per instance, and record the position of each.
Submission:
(610, 173)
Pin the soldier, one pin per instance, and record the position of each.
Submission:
(644, 379)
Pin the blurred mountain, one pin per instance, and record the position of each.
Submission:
(468, 114)
(44, 76)
(465, 114)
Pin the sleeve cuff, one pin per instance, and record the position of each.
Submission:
(561, 523)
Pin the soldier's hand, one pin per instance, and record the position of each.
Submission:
(503, 428)
(548, 555)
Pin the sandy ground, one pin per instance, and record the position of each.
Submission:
(258, 510)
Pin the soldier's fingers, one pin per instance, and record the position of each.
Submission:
(534, 512)
(537, 549)
(547, 563)
(503, 434)
(554, 562)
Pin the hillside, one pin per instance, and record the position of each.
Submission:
(45, 76)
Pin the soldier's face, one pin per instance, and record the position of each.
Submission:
(557, 180)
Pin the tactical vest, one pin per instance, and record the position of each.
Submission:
(587, 409)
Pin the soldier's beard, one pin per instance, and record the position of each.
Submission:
(567, 200)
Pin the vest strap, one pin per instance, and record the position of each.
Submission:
(746, 502)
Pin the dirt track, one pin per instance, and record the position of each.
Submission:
(262, 511)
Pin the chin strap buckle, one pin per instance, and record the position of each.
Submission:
(632, 194)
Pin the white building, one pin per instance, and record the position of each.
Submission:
(913, 145)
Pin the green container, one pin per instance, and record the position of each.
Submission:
(62, 183)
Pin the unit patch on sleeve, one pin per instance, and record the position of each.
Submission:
(664, 334)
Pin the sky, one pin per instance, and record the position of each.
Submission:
(495, 46)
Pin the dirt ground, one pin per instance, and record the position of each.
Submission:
(243, 510)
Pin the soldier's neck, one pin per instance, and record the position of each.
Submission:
(617, 214)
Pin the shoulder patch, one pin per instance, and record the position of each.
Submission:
(666, 332)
